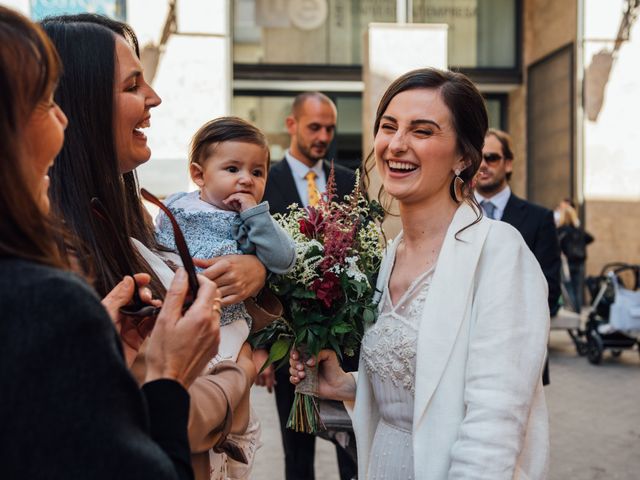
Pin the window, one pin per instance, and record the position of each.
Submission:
(311, 32)
(482, 33)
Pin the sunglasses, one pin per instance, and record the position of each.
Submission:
(491, 157)
(142, 314)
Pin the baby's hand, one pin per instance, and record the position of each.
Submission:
(240, 201)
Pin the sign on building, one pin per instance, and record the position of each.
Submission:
(111, 8)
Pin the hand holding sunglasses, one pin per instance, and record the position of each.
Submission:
(143, 315)
(133, 330)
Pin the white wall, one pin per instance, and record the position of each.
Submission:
(193, 80)
(390, 51)
(611, 143)
(19, 5)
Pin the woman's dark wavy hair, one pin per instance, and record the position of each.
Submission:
(87, 166)
(468, 117)
(29, 72)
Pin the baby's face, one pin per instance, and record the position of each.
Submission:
(233, 168)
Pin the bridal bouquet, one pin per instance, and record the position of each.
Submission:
(328, 295)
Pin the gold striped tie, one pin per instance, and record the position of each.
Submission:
(312, 189)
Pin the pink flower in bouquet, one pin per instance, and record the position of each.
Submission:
(338, 241)
(312, 226)
(327, 288)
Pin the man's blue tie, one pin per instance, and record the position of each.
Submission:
(489, 208)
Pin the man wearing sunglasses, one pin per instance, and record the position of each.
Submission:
(534, 222)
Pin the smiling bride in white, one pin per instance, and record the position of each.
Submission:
(449, 378)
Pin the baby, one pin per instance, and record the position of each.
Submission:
(229, 161)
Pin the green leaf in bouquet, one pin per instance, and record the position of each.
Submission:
(360, 287)
(348, 313)
(300, 335)
(277, 329)
(278, 350)
(280, 287)
(368, 315)
(319, 330)
(341, 328)
(314, 251)
(316, 318)
(313, 343)
(295, 307)
(305, 318)
(303, 293)
(298, 310)
(333, 342)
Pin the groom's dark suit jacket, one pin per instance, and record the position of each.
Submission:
(281, 190)
(538, 229)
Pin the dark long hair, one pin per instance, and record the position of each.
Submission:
(468, 117)
(29, 71)
(87, 166)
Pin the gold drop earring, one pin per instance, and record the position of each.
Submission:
(458, 183)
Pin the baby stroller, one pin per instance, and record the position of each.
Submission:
(615, 314)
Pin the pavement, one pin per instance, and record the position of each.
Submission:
(594, 415)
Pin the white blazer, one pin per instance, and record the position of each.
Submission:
(479, 410)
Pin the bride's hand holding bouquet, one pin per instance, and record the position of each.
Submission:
(333, 382)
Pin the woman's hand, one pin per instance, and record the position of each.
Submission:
(268, 376)
(181, 345)
(333, 382)
(122, 294)
(238, 277)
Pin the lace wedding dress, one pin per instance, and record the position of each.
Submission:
(389, 354)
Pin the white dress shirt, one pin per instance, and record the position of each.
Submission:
(300, 170)
(500, 200)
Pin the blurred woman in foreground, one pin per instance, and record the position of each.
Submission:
(69, 407)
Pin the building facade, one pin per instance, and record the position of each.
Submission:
(573, 133)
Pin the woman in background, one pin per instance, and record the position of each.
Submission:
(573, 244)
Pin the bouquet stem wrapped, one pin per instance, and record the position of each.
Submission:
(305, 414)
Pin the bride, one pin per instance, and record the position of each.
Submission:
(449, 379)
